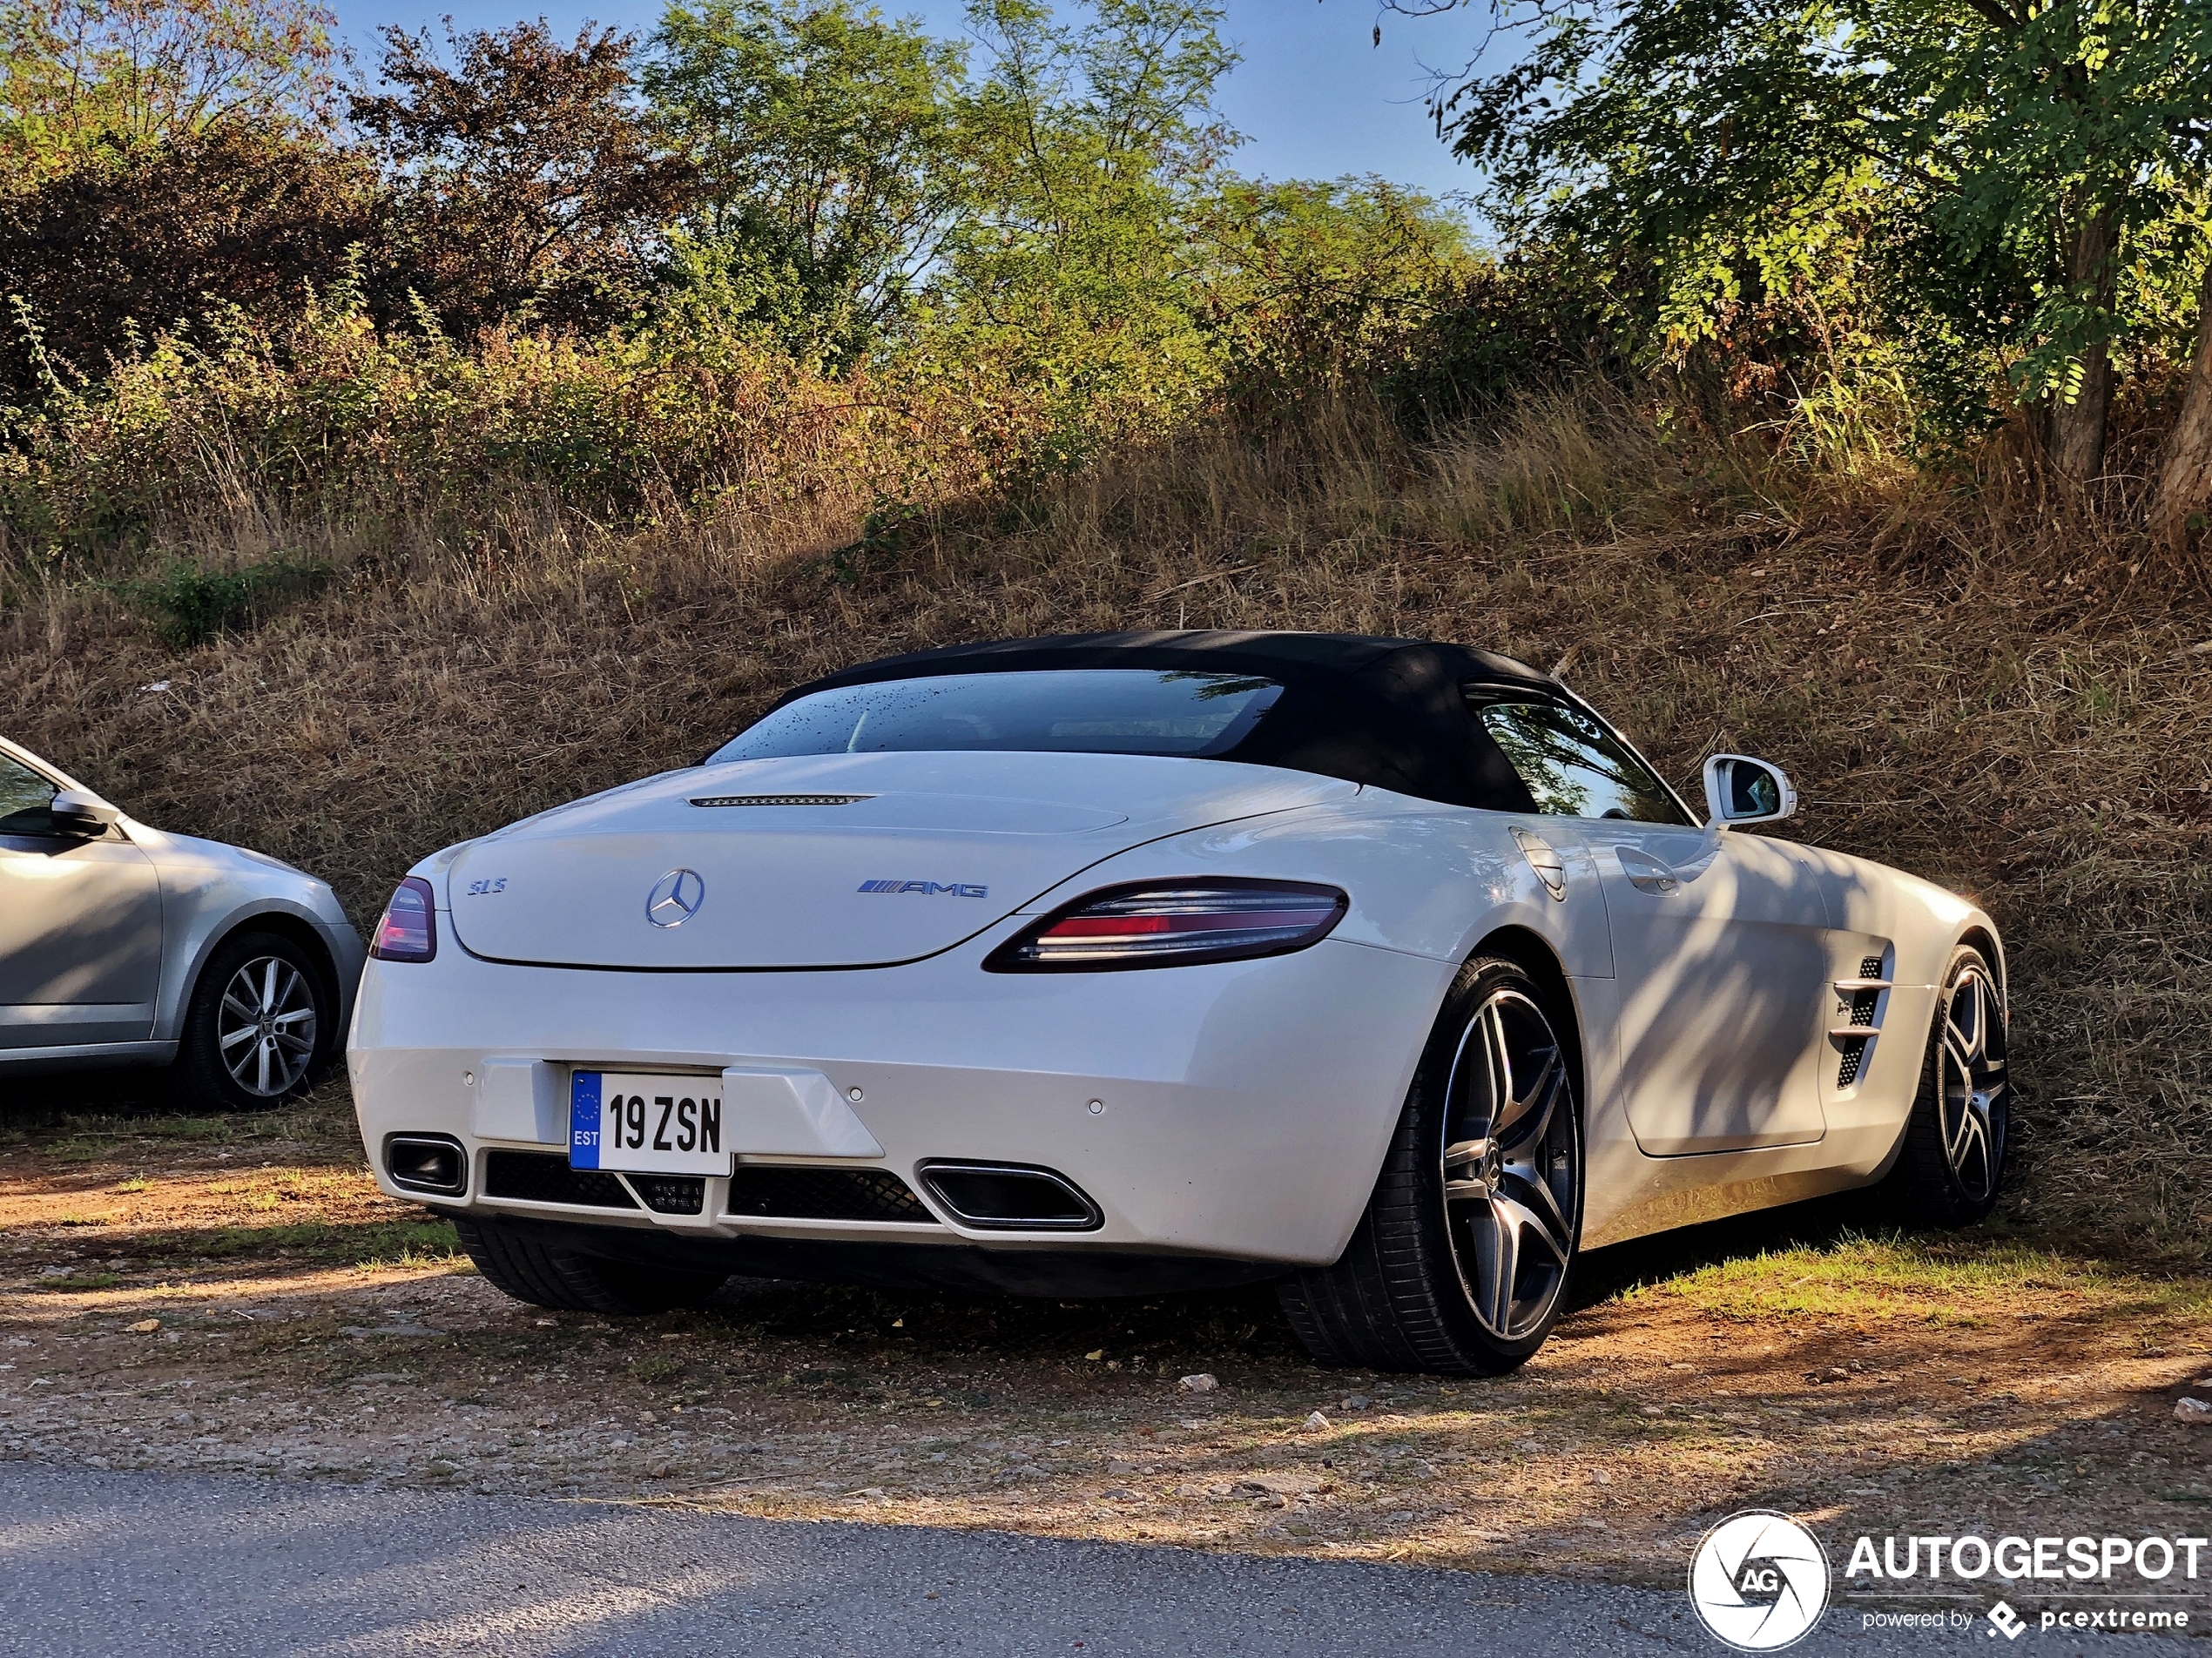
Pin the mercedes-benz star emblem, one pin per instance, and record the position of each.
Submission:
(676, 898)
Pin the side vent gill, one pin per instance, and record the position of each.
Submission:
(1856, 1002)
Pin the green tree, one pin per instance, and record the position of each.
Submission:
(1049, 204)
(1094, 144)
(830, 169)
(78, 74)
(1090, 137)
(1307, 285)
(161, 160)
(2023, 183)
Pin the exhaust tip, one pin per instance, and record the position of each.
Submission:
(427, 1163)
(1011, 1198)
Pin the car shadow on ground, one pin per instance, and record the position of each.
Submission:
(42, 1100)
(1801, 1358)
(1819, 1223)
(1241, 1325)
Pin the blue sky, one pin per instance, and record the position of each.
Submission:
(1314, 95)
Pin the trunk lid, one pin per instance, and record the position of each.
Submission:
(930, 849)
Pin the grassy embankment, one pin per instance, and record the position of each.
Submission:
(1973, 680)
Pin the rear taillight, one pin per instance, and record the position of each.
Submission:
(407, 930)
(1165, 924)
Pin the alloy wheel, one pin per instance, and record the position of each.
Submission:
(266, 1026)
(1512, 1165)
(1974, 1096)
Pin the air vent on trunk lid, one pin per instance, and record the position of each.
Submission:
(778, 799)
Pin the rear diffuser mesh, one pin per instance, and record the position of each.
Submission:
(537, 1177)
(791, 1192)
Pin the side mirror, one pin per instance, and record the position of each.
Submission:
(78, 813)
(1740, 790)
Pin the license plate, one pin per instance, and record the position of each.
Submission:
(646, 1124)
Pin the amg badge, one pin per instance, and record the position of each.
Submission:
(954, 889)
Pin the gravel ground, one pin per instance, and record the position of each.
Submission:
(154, 1564)
(231, 1296)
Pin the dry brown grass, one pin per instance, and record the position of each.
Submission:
(1973, 681)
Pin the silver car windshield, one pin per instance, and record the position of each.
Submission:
(1097, 710)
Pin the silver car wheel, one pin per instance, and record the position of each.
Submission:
(1974, 1096)
(1511, 1165)
(265, 1028)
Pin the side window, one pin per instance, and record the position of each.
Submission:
(1574, 767)
(26, 799)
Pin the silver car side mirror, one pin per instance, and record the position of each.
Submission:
(1740, 790)
(77, 812)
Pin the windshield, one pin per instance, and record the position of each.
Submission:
(1095, 710)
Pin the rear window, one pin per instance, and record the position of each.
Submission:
(1081, 711)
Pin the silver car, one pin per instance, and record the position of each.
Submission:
(123, 944)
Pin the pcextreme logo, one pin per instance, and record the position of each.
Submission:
(1759, 1581)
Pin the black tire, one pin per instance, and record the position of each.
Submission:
(537, 1265)
(290, 1046)
(1400, 1297)
(1950, 1168)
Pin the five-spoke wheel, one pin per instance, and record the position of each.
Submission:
(1462, 1261)
(1973, 1099)
(1509, 1165)
(1952, 1161)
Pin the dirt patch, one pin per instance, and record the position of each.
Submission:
(233, 1294)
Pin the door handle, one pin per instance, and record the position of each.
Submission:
(1647, 874)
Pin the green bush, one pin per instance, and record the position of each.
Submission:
(191, 606)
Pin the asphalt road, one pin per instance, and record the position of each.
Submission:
(149, 1564)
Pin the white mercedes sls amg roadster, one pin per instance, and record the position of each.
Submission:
(1384, 969)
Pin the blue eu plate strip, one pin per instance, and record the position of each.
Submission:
(584, 1120)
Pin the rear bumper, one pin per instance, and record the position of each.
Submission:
(1243, 1107)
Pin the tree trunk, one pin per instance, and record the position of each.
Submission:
(2185, 478)
(2077, 428)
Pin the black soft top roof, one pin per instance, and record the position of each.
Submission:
(1390, 712)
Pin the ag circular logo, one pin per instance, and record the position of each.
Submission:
(1759, 1581)
(676, 898)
